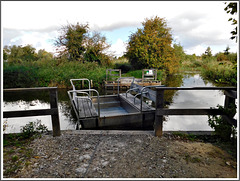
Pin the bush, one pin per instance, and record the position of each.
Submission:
(33, 128)
(125, 67)
(221, 127)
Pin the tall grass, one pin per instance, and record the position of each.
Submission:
(220, 72)
(51, 74)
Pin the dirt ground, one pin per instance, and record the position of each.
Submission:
(124, 154)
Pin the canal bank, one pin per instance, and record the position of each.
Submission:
(125, 154)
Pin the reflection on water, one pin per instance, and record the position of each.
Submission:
(193, 99)
(173, 99)
(37, 100)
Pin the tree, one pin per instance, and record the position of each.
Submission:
(77, 43)
(43, 55)
(96, 47)
(19, 54)
(71, 41)
(179, 52)
(232, 9)
(150, 46)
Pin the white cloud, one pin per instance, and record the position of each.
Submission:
(118, 48)
(195, 24)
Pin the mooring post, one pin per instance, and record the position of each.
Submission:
(55, 116)
(158, 124)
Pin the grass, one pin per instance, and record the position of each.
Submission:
(52, 74)
(16, 153)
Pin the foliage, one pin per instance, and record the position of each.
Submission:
(18, 54)
(207, 54)
(51, 73)
(179, 52)
(219, 72)
(71, 41)
(77, 43)
(221, 126)
(33, 128)
(19, 75)
(150, 47)
(232, 9)
(95, 47)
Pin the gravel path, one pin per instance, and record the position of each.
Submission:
(106, 154)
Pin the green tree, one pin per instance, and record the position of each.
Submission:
(207, 53)
(77, 43)
(19, 54)
(232, 9)
(179, 52)
(43, 55)
(150, 46)
(96, 47)
(71, 41)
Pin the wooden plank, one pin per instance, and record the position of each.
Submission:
(27, 113)
(165, 111)
(230, 120)
(231, 93)
(29, 89)
(196, 88)
(55, 117)
(158, 124)
(86, 108)
(80, 108)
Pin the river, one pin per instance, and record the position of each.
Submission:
(174, 99)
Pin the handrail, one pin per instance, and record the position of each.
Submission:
(71, 80)
(150, 86)
(74, 88)
(130, 90)
(124, 78)
(83, 91)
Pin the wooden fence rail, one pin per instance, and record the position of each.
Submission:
(230, 96)
(53, 111)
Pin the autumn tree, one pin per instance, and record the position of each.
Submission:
(150, 46)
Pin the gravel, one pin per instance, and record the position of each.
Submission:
(125, 154)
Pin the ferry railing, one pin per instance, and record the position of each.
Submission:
(83, 91)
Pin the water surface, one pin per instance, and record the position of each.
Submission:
(175, 99)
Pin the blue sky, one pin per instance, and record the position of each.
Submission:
(195, 24)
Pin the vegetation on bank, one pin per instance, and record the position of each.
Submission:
(16, 152)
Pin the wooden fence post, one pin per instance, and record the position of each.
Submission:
(158, 124)
(230, 97)
(55, 117)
